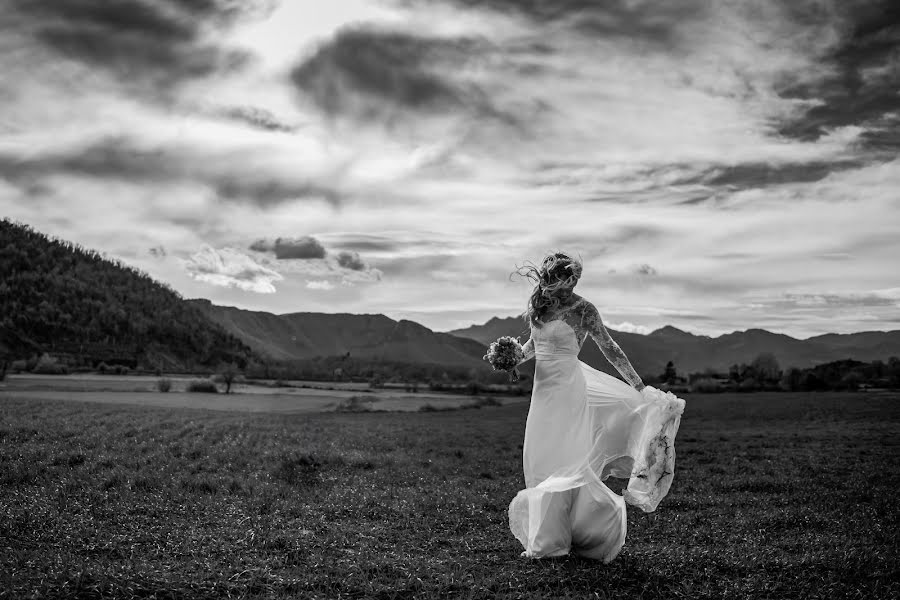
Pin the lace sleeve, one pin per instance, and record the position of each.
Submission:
(528, 347)
(594, 325)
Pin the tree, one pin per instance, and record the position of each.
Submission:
(791, 379)
(228, 374)
(766, 367)
(670, 374)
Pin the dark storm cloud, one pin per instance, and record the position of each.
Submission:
(866, 74)
(160, 41)
(118, 158)
(306, 247)
(352, 261)
(369, 73)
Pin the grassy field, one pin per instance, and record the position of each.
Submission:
(270, 397)
(775, 496)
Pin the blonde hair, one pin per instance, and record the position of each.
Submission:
(558, 271)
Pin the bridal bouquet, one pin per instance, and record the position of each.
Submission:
(505, 354)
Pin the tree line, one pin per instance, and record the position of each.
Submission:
(764, 373)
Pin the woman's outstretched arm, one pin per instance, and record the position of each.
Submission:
(592, 322)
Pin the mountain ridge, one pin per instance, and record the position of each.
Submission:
(695, 353)
(305, 335)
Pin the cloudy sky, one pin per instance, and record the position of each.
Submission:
(717, 165)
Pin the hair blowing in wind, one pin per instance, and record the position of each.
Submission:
(558, 271)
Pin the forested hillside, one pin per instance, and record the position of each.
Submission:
(72, 302)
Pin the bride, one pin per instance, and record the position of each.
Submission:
(584, 426)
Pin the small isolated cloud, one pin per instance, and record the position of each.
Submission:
(228, 267)
(355, 269)
(322, 284)
(351, 260)
(628, 327)
(306, 247)
(646, 269)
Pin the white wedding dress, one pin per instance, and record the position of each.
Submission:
(584, 426)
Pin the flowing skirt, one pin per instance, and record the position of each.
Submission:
(584, 426)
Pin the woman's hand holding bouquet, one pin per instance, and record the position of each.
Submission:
(505, 354)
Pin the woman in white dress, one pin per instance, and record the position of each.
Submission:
(584, 426)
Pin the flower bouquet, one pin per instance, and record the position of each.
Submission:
(505, 354)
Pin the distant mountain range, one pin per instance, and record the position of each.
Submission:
(60, 298)
(306, 335)
(692, 353)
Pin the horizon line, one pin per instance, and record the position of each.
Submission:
(449, 331)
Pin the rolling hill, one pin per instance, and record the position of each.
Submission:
(305, 335)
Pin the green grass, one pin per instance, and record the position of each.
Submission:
(775, 496)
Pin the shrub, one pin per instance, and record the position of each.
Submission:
(121, 370)
(103, 367)
(748, 385)
(355, 404)
(706, 385)
(47, 365)
(202, 386)
(164, 384)
(18, 366)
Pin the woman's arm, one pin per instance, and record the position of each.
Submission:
(528, 347)
(594, 324)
